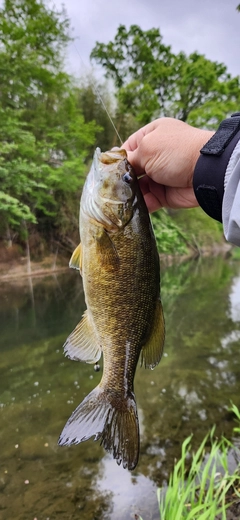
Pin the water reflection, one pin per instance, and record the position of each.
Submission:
(234, 297)
(39, 388)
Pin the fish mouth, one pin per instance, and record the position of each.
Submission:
(103, 159)
(100, 161)
(100, 202)
(111, 156)
(100, 207)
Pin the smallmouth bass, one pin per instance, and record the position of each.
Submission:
(119, 264)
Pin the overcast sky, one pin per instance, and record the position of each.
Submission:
(212, 27)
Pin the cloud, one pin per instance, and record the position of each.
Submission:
(211, 28)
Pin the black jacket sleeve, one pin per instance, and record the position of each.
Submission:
(209, 174)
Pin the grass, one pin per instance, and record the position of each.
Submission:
(200, 492)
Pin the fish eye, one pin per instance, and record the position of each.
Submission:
(127, 178)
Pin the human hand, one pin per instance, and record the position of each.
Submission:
(166, 150)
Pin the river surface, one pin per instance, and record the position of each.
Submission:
(189, 392)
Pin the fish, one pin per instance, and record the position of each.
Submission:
(120, 268)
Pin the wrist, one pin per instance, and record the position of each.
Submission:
(210, 169)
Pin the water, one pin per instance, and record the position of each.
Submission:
(189, 391)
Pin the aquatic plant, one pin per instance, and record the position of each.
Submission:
(202, 489)
(199, 493)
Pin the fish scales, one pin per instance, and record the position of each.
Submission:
(122, 300)
(119, 263)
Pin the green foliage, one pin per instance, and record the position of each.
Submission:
(136, 60)
(235, 253)
(32, 38)
(14, 211)
(170, 239)
(204, 86)
(69, 144)
(221, 101)
(22, 177)
(134, 54)
(50, 125)
(140, 99)
(44, 139)
(201, 231)
(91, 97)
(97, 103)
(181, 231)
(152, 81)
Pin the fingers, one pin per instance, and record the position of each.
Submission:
(154, 194)
(166, 150)
(134, 140)
(144, 159)
(151, 202)
(158, 196)
(144, 146)
(136, 162)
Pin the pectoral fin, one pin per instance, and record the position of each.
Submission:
(82, 344)
(107, 251)
(153, 348)
(76, 259)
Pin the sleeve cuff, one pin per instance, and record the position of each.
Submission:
(209, 173)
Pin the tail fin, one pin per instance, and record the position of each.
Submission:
(115, 423)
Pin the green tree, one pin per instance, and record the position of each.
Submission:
(97, 103)
(151, 81)
(32, 39)
(43, 137)
(92, 100)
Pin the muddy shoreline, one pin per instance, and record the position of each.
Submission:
(20, 268)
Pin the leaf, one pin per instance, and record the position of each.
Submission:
(44, 139)
(151, 81)
(15, 210)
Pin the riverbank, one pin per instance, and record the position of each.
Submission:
(21, 268)
(15, 267)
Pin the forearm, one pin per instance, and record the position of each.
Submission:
(216, 179)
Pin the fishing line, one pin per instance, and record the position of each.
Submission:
(99, 97)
